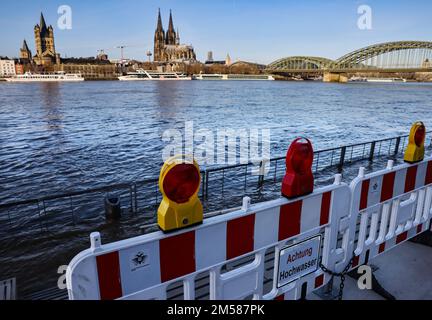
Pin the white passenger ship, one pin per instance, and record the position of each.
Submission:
(386, 80)
(249, 77)
(51, 77)
(140, 75)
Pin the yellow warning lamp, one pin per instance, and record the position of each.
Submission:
(416, 150)
(179, 182)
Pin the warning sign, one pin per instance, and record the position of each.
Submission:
(298, 260)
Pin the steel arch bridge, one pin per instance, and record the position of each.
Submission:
(391, 56)
(300, 63)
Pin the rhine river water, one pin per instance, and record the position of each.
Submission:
(59, 137)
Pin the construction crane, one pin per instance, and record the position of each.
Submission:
(122, 52)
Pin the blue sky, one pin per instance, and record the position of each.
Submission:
(259, 31)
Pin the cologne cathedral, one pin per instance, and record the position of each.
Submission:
(167, 47)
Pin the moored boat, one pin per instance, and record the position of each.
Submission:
(50, 77)
(357, 79)
(147, 75)
(241, 77)
(386, 80)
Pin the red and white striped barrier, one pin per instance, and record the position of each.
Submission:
(300, 231)
(390, 206)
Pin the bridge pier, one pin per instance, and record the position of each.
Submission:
(335, 77)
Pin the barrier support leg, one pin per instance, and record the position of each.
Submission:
(327, 292)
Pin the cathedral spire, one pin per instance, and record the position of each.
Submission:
(178, 37)
(159, 23)
(159, 39)
(171, 24)
(171, 34)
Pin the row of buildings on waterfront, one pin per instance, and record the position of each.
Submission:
(168, 54)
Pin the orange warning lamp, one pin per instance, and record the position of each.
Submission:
(415, 150)
(179, 182)
(298, 180)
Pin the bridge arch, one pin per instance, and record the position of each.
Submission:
(392, 54)
(300, 63)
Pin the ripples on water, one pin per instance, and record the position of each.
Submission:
(73, 136)
(57, 137)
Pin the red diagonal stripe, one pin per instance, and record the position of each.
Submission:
(364, 194)
(177, 256)
(382, 247)
(402, 237)
(428, 178)
(387, 187)
(355, 261)
(420, 228)
(240, 236)
(410, 179)
(325, 208)
(289, 220)
(108, 268)
(319, 281)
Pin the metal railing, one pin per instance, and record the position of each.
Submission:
(226, 185)
(330, 157)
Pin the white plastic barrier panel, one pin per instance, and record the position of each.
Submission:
(389, 207)
(299, 232)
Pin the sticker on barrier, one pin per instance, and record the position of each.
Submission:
(233, 249)
(389, 207)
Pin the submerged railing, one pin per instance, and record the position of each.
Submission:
(220, 186)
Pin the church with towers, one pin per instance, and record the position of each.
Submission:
(167, 47)
(45, 47)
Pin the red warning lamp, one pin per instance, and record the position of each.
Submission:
(420, 135)
(415, 150)
(298, 180)
(181, 182)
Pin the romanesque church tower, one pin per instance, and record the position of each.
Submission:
(45, 48)
(25, 53)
